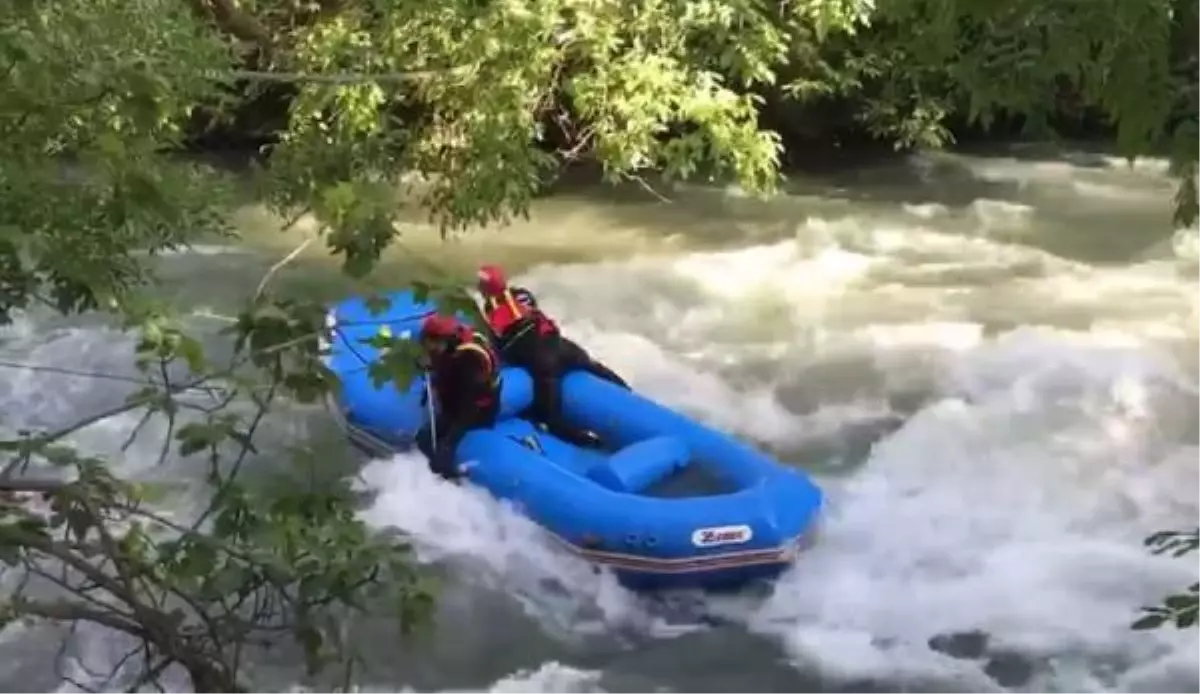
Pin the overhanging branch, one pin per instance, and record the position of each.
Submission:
(340, 77)
(64, 611)
(234, 21)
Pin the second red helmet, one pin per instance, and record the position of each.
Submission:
(438, 326)
(492, 279)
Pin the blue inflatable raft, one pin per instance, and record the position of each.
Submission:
(672, 503)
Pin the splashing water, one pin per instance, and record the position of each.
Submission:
(1041, 418)
(1055, 430)
(501, 549)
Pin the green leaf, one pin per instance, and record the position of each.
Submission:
(377, 303)
(59, 455)
(10, 554)
(194, 437)
(311, 640)
(481, 106)
(421, 291)
(192, 353)
(1149, 621)
(159, 491)
(1180, 602)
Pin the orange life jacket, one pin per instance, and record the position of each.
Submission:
(509, 317)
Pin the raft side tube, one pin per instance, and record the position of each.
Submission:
(383, 409)
(588, 515)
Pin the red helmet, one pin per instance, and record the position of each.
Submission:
(440, 327)
(492, 280)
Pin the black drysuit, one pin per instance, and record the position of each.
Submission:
(549, 356)
(466, 389)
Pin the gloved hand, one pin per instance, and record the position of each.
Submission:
(443, 465)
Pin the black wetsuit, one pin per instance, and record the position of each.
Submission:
(540, 347)
(466, 388)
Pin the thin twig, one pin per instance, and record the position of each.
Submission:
(200, 537)
(60, 660)
(36, 570)
(165, 374)
(137, 428)
(134, 403)
(152, 674)
(262, 285)
(222, 490)
(131, 404)
(64, 371)
(63, 611)
(115, 670)
(647, 187)
(340, 77)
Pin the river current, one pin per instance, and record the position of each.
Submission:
(989, 363)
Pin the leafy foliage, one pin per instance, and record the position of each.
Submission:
(93, 92)
(97, 97)
(466, 95)
(397, 353)
(1132, 63)
(256, 564)
(1179, 609)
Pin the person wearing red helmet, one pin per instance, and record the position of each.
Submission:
(464, 373)
(527, 337)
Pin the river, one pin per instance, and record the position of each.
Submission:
(988, 362)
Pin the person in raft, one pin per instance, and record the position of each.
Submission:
(527, 337)
(464, 373)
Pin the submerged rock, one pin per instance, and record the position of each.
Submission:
(1009, 669)
(1006, 668)
(967, 645)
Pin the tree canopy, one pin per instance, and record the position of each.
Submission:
(481, 102)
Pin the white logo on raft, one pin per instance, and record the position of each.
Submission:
(723, 535)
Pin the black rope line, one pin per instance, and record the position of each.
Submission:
(97, 375)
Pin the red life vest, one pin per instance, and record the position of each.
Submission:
(508, 317)
(470, 341)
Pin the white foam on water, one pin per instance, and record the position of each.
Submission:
(1015, 505)
(499, 549)
(93, 658)
(1013, 502)
(1185, 242)
(1116, 172)
(549, 678)
(1001, 215)
(202, 249)
(927, 210)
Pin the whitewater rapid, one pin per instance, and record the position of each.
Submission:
(1048, 423)
(998, 408)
